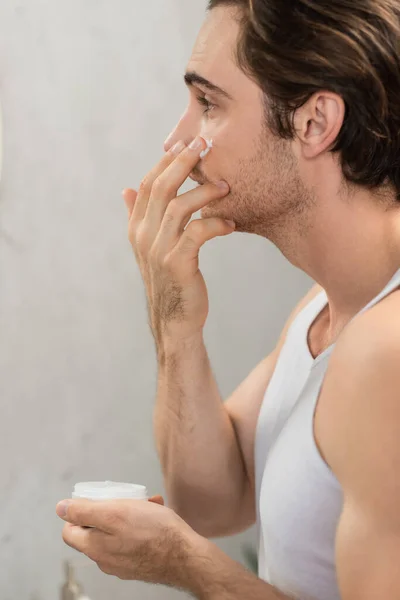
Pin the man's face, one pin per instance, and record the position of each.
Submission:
(259, 167)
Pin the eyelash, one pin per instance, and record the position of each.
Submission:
(206, 103)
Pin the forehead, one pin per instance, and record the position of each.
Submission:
(213, 55)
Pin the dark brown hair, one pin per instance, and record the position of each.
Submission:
(350, 47)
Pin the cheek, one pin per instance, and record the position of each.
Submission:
(223, 161)
(219, 167)
(222, 148)
(228, 152)
(216, 128)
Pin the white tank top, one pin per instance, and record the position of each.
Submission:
(299, 500)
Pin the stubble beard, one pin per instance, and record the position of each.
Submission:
(268, 197)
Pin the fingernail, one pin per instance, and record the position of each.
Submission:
(223, 185)
(196, 144)
(177, 149)
(231, 224)
(62, 509)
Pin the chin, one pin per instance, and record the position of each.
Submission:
(217, 208)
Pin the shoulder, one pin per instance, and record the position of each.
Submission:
(371, 342)
(361, 393)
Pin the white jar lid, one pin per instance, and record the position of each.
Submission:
(109, 490)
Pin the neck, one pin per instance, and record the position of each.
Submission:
(350, 245)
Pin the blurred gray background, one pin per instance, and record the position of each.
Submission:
(90, 89)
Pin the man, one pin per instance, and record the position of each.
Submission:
(302, 103)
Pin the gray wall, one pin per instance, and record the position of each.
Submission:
(90, 89)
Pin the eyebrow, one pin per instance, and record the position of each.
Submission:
(192, 78)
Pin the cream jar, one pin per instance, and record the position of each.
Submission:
(109, 490)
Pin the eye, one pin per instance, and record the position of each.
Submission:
(208, 106)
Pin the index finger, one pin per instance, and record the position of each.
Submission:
(84, 540)
(175, 174)
(172, 178)
(140, 207)
(169, 174)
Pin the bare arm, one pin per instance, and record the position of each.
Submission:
(148, 542)
(201, 457)
(205, 446)
(212, 575)
(361, 389)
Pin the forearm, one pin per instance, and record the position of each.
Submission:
(210, 574)
(196, 441)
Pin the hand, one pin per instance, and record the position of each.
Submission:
(130, 539)
(167, 248)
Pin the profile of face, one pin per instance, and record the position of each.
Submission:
(228, 107)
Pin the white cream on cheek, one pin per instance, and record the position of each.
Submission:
(207, 150)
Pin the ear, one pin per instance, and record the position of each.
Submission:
(318, 123)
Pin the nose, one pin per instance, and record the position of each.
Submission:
(185, 130)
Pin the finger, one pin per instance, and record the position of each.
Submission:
(104, 515)
(130, 199)
(167, 184)
(146, 185)
(196, 234)
(87, 541)
(157, 500)
(75, 537)
(180, 210)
